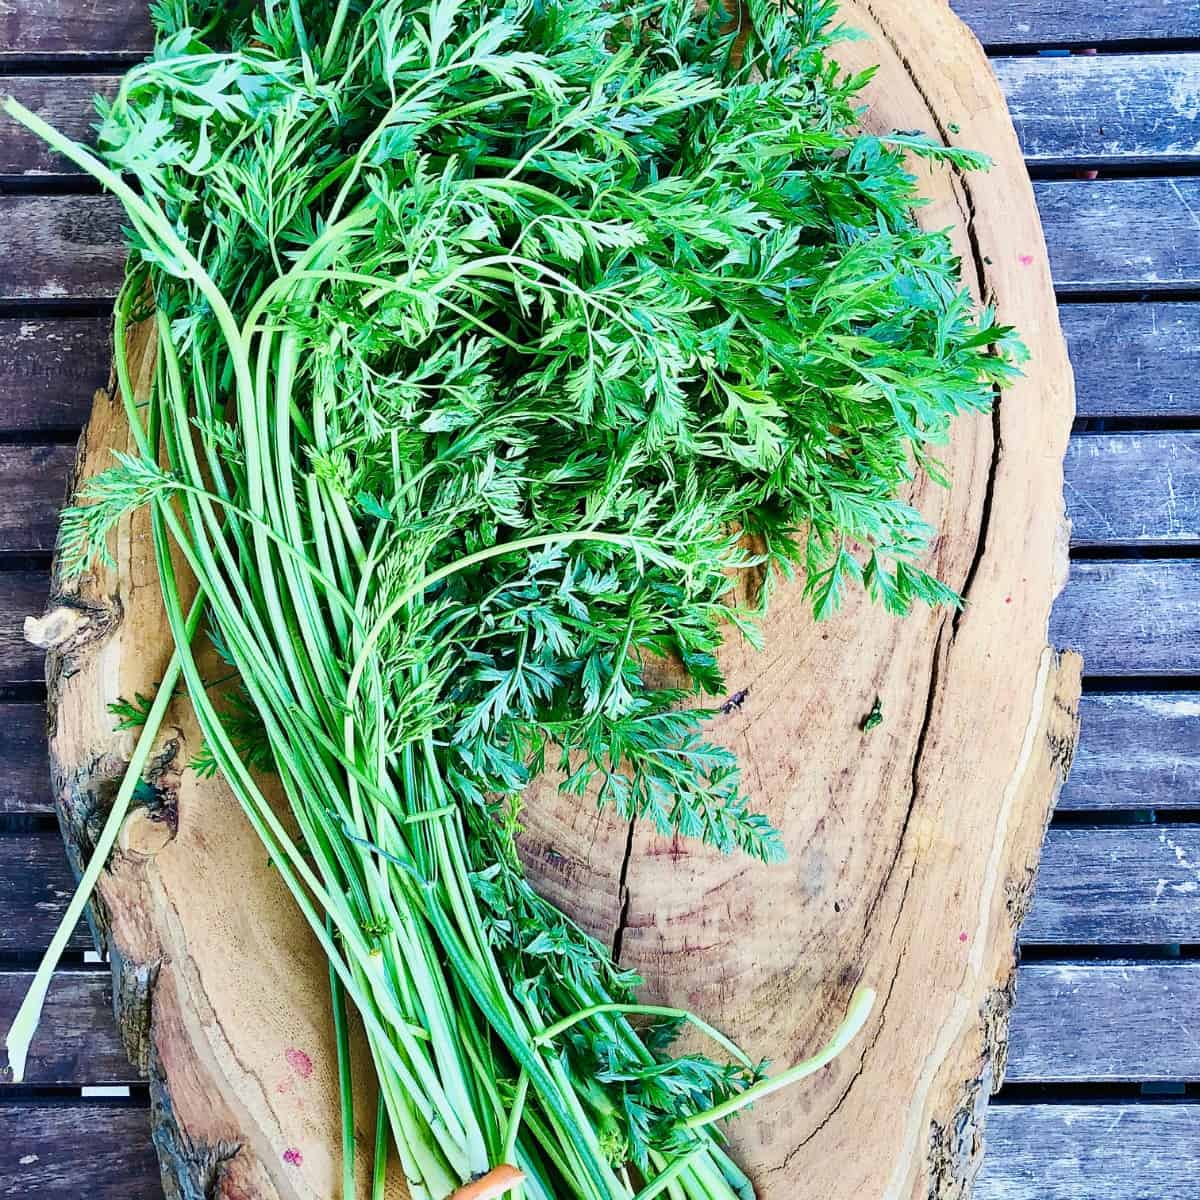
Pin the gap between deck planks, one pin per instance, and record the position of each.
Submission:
(1122, 110)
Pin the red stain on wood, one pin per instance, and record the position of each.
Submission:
(292, 1157)
(299, 1062)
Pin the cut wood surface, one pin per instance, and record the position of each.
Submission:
(1139, 750)
(1135, 360)
(1091, 1152)
(913, 847)
(1107, 109)
(1116, 235)
(1117, 885)
(51, 1150)
(1104, 1022)
(1131, 618)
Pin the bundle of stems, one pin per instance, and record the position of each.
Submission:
(494, 340)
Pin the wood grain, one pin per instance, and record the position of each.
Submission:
(1072, 22)
(1121, 110)
(1132, 618)
(1136, 750)
(32, 483)
(1090, 1152)
(1117, 885)
(1134, 489)
(29, 28)
(883, 827)
(56, 1150)
(1135, 360)
(1105, 1022)
(60, 247)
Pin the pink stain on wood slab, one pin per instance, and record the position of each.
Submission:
(292, 1157)
(299, 1062)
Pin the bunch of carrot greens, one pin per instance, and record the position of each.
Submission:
(494, 340)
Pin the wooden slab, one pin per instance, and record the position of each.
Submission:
(913, 847)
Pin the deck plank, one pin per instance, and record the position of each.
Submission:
(77, 1043)
(1131, 618)
(35, 886)
(1114, 235)
(1090, 1152)
(32, 483)
(49, 369)
(66, 102)
(1136, 750)
(1073, 1023)
(1135, 360)
(1071, 22)
(1134, 489)
(1106, 110)
(22, 593)
(102, 27)
(1130, 360)
(24, 770)
(1089, 1022)
(62, 1150)
(1117, 885)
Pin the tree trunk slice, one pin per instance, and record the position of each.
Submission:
(912, 846)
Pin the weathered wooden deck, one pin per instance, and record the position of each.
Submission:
(1102, 1100)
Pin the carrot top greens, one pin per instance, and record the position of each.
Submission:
(494, 341)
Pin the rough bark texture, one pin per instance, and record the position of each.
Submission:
(912, 846)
